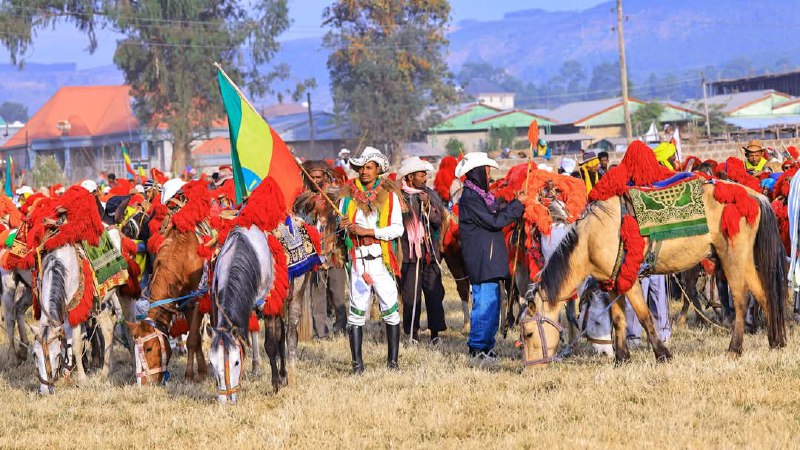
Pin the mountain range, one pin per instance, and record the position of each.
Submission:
(725, 38)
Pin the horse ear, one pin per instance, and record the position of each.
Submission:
(132, 326)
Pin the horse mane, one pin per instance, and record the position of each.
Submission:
(226, 336)
(236, 299)
(556, 269)
(58, 286)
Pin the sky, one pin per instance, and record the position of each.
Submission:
(65, 44)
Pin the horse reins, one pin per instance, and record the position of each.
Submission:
(50, 381)
(540, 321)
(143, 369)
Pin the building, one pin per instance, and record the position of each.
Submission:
(765, 113)
(788, 82)
(85, 127)
(490, 94)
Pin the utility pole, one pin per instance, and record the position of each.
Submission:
(310, 121)
(705, 105)
(623, 76)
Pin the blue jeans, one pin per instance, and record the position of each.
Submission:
(485, 318)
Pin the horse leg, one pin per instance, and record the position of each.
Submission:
(757, 290)
(23, 303)
(456, 267)
(195, 342)
(282, 351)
(639, 305)
(105, 323)
(295, 311)
(78, 346)
(272, 334)
(9, 312)
(621, 353)
(255, 343)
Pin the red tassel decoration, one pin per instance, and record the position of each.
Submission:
(81, 311)
(253, 323)
(633, 243)
(280, 284)
(444, 177)
(738, 204)
(179, 327)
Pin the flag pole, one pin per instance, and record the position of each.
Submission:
(235, 87)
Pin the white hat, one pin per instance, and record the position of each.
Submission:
(106, 189)
(371, 154)
(343, 152)
(568, 165)
(24, 190)
(171, 188)
(473, 160)
(414, 164)
(89, 185)
(139, 188)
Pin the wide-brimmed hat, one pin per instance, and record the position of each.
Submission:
(224, 173)
(26, 190)
(171, 188)
(589, 157)
(568, 165)
(473, 160)
(412, 165)
(371, 154)
(753, 146)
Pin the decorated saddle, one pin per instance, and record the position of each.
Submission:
(301, 252)
(108, 265)
(670, 212)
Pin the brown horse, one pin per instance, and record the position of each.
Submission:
(177, 272)
(753, 260)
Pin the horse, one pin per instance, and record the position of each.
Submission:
(594, 321)
(243, 277)
(14, 304)
(752, 259)
(177, 274)
(59, 346)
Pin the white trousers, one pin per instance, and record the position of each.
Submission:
(384, 286)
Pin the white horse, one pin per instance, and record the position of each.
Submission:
(243, 276)
(58, 347)
(16, 298)
(594, 320)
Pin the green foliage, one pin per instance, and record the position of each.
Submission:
(644, 116)
(501, 137)
(454, 146)
(13, 111)
(717, 120)
(388, 72)
(167, 50)
(46, 171)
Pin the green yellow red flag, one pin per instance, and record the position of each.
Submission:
(256, 149)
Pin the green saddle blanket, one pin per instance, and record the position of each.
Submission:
(107, 262)
(672, 212)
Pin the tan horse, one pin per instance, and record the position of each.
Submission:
(177, 272)
(753, 261)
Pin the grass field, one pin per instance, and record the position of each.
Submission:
(700, 399)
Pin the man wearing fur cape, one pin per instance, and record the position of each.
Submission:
(373, 219)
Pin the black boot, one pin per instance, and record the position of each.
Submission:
(356, 335)
(393, 344)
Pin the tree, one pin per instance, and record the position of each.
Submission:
(13, 111)
(388, 72)
(645, 115)
(46, 171)
(167, 51)
(454, 147)
(717, 120)
(501, 137)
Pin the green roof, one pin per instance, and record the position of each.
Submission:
(516, 118)
(463, 120)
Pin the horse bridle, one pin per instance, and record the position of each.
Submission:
(143, 369)
(229, 391)
(50, 381)
(540, 322)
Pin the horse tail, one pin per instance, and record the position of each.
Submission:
(770, 259)
(239, 267)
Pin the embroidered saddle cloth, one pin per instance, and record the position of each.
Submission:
(108, 264)
(671, 212)
(301, 257)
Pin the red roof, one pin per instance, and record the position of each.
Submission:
(214, 146)
(90, 110)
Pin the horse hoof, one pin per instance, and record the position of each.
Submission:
(276, 386)
(621, 360)
(734, 355)
(284, 381)
(22, 355)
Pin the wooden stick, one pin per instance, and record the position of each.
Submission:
(236, 88)
(324, 195)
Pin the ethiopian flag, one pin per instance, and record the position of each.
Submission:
(126, 157)
(256, 149)
(9, 184)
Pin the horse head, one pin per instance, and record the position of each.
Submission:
(226, 356)
(151, 352)
(539, 328)
(50, 354)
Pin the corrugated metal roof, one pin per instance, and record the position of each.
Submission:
(565, 137)
(420, 149)
(295, 127)
(758, 123)
(574, 112)
(732, 102)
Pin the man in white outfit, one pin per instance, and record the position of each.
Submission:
(373, 219)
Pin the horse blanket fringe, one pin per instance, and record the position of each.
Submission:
(672, 212)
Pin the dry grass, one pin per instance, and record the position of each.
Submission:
(700, 399)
